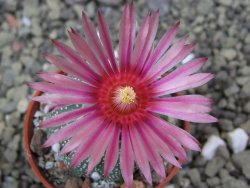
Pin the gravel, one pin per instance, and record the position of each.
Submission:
(220, 28)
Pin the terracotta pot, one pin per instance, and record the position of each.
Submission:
(28, 133)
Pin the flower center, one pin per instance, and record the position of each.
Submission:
(126, 95)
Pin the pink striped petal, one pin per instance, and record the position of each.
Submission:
(187, 82)
(65, 81)
(85, 51)
(140, 154)
(185, 70)
(126, 157)
(163, 45)
(124, 37)
(140, 40)
(162, 147)
(87, 132)
(100, 146)
(106, 40)
(66, 117)
(193, 117)
(182, 136)
(67, 67)
(63, 99)
(153, 25)
(179, 107)
(85, 149)
(94, 42)
(75, 59)
(167, 58)
(69, 130)
(53, 88)
(112, 152)
(152, 155)
(195, 99)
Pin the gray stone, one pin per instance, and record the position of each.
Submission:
(246, 89)
(10, 183)
(223, 152)
(225, 2)
(49, 165)
(194, 176)
(204, 7)
(10, 155)
(6, 39)
(212, 182)
(8, 78)
(246, 107)
(91, 9)
(110, 2)
(241, 159)
(224, 175)
(12, 119)
(14, 144)
(226, 124)
(233, 89)
(246, 126)
(2, 126)
(235, 184)
(7, 134)
(229, 54)
(246, 170)
(213, 166)
(247, 39)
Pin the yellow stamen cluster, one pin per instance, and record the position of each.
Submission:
(127, 95)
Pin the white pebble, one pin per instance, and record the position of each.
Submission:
(237, 140)
(26, 21)
(38, 114)
(95, 176)
(210, 147)
(49, 165)
(56, 148)
(188, 58)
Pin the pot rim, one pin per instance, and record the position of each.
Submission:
(28, 133)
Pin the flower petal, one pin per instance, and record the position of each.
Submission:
(66, 117)
(106, 40)
(126, 157)
(140, 154)
(112, 152)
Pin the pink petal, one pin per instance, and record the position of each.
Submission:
(152, 154)
(124, 37)
(195, 99)
(63, 99)
(112, 152)
(160, 146)
(153, 25)
(100, 145)
(87, 132)
(163, 45)
(179, 134)
(140, 40)
(94, 42)
(65, 81)
(140, 154)
(181, 84)
(85, 149)
(85, 51)
(66, 117)
(106, 40)
(167, 58)
(185, 70)
(75, 59)
(53, 88)
(126, 157)
(69, 130)
(65, 66)
(162, 105)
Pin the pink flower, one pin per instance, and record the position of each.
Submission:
(123, 98)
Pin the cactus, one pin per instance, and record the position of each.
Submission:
(81, 170)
